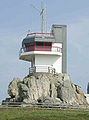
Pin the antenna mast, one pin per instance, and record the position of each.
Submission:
(43, 14)
(44, 22)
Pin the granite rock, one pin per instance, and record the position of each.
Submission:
(46, 88)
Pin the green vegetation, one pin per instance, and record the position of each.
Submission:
(42, 114)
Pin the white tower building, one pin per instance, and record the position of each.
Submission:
(45, 51)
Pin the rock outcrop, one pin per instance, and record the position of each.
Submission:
(13, 89)
(46, 88)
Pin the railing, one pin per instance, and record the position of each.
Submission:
(32, 70)
(51, 70)
(41, 48)
(40, 34)
(46, 69)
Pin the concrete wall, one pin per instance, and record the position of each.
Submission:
(57, 45)
(46, 60)
(59, 32)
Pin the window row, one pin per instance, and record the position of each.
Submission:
(31, 44)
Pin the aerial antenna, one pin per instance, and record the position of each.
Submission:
(44, 22)
(43, 14)
(28, 31)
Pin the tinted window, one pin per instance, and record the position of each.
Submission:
(47, 44)
(29, 44)
(39, 43)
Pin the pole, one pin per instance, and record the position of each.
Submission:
(44, 23)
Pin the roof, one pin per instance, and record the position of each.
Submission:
(41, 37)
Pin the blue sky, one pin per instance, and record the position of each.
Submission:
(17, 17)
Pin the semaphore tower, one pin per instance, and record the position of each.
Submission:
(46, 51)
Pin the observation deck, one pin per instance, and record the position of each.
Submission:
(42, 44)
(41, 50)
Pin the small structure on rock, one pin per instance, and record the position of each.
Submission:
(47, 54)
(46, 51)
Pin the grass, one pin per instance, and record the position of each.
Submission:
(42, 114)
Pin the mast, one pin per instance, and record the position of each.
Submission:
(44, 22)
(43, 14)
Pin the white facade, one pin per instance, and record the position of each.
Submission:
(52, 61)
(43, 60)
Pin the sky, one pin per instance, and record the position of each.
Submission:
(18, 16)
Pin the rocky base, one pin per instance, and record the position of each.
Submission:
(45, 88)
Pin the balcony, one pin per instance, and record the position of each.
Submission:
(41, 49)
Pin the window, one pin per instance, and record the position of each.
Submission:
(43, 44)
(29, 44)
(39, 44)
(47, 43)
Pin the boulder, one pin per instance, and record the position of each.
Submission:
(23, 92)
(80, 97)
(13, 88)
(49, 100)
(46, 88)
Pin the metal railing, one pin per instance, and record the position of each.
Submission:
(51, 70)
(46, 69)
(32, 70)
(40, 34)
(41, 48)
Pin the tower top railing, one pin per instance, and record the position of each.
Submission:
(40, 34)
(41, 48)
